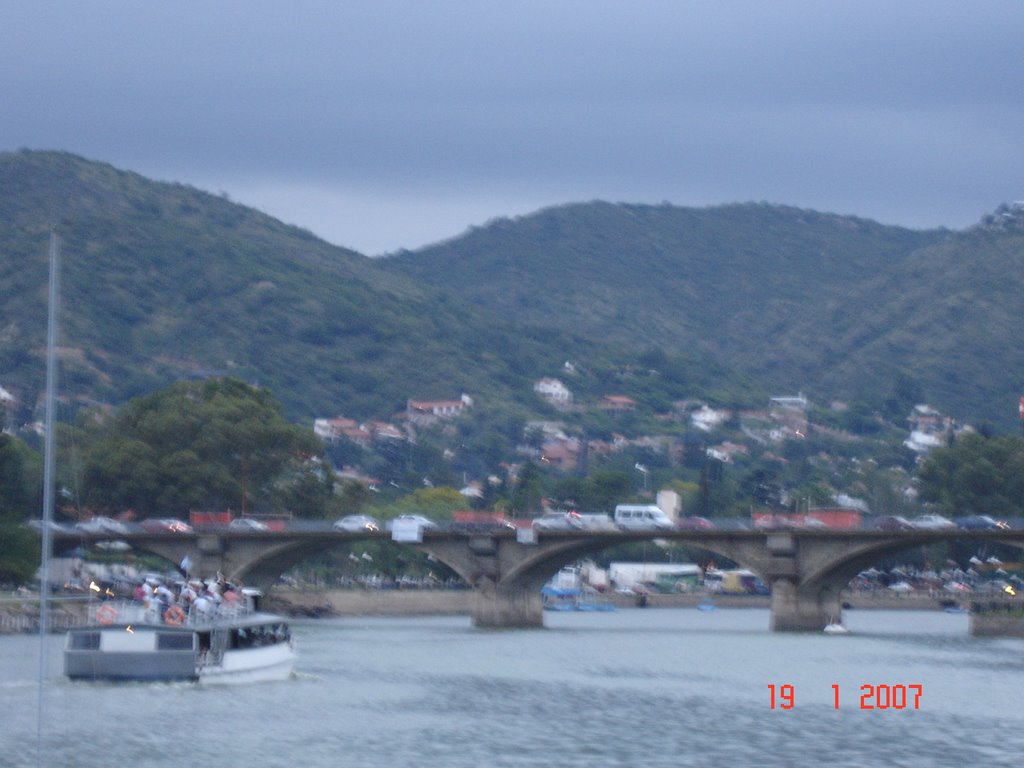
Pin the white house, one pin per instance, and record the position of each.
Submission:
(554, 391)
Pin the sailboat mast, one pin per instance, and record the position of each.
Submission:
(48, 465)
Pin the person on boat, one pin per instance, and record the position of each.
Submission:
(229, 594)
(188, 594)
(203, 605)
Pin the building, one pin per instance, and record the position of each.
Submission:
(554, 392)
(616, 404)
(425, 412)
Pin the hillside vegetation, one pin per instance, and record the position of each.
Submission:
(163, 282)
(834, 305)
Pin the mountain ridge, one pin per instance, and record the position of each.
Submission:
(164, 281)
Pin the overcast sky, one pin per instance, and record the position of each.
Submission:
(384, 125)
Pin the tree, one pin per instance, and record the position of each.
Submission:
(528, 492)
(19, 552)
(20, 478)
(20, 483)
(976, 475)
(214, 443)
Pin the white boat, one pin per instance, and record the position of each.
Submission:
(835, 628)
(125, 641)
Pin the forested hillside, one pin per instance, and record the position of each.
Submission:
(832, 305)
(163, 282)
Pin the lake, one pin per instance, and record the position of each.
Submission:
(639, 688)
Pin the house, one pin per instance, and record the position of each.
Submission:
(561, 454)
(616, 404)
(331, 430)
(707, 419)
(928, 429)
(554, 392)
(424, 412)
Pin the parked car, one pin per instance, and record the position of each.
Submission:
(101, 525)
(892, 523)
(471, 521)
(980, 523)
(695, 523)
(55, 527)
(165, 525)
(247, 524)
(357, 524)
(597, 522)
(558, 521)
(932, 522)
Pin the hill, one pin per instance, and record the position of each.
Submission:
(834, 305)
(162, 282)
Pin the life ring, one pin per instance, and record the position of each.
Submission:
(174, 615)
(106, 614)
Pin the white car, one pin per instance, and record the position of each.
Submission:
(356, 524)
(247, 524)
(102, 525)
(558, 521)
(932, 522)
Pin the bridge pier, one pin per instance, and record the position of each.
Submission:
(803, 610)
(509, 607)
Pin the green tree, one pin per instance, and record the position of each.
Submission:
(20, 479)
(528, 492)
(976, 475)
(19, 551)
(19, 491)
(216, 443)
(437, 503)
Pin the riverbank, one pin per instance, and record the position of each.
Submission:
(414, 602)
(21, 615)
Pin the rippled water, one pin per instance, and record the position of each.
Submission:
(645, 688)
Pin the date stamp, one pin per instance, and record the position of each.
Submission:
(881, 696)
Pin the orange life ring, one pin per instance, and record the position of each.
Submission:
(174, 615)
(106, 614)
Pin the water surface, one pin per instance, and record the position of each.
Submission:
(645, 688)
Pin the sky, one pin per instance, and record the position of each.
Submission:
(386, 125)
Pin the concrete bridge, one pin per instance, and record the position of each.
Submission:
(807, 569)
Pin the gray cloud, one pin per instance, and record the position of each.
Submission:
(438, 115)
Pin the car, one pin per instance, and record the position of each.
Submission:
(597, 522)
(932, 523)
(55, 527)
(418, 520)
(165, 525)
(892, 523)
(695, 523)
(558, 521)
(100, 524)
(247, 524)
(980, 523)
(356, 524)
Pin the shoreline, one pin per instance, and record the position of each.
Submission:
(21, 614)
(327, 603)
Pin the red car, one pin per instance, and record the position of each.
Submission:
(695, 523)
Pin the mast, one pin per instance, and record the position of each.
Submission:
(48, 470)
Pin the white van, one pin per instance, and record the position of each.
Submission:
(645, 517)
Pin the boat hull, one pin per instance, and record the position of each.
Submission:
(255, 648)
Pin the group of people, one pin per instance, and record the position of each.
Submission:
(191, 598)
